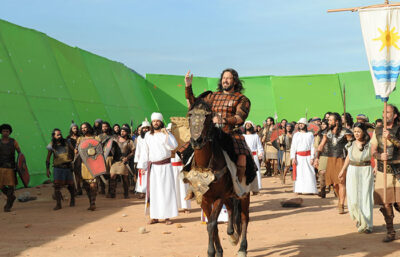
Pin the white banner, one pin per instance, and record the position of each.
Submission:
(380, 28)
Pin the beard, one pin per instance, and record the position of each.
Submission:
(157, 127)
(251, 130)
(332, 126)
(143, 133)
(228, 88)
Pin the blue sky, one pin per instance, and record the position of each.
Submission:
(256, 37)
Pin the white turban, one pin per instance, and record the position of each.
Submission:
(303, 121)
(145, 123)
(248, 121)
(156, 116)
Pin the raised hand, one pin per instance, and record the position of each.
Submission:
(188, 79)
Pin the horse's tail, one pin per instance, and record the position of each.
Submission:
(237, 220)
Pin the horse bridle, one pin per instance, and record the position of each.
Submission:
(198, 119)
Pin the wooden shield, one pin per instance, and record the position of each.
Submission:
(313, 128)
(22, 169)
(108, 147)
(91, 153)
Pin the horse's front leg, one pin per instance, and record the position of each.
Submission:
(229, 207)
(217, 206)
(245, 204)
(210, 209)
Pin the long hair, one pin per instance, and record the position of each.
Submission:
(272, 120)
(72, 133)
(54, 141)
(395, 111)
(339, 120)
(90, 130)
(238, 84)
(108, 132)
(321, 131)
(119, 129)
(349, 119)
(366, 138)
(152, 128)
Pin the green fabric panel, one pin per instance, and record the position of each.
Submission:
(259, 91)
(315, 93)
(360, 95)
(169, 93)
(213, 83)
(143, 95)
(9, 82)
(33, 61)
(74, 73)
(26, 133)
(102, 76)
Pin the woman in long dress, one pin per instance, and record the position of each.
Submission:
(359, 175)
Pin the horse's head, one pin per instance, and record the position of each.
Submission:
(200, 122)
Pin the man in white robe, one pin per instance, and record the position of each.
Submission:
(141, 183)
(180, 187)
(156, 153)
(302, 155)
(254, 143)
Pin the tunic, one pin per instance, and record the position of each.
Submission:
(287, 142)
(141, 183)
(336, 154)
(254, 143)
(305, 180)
(7, 163)
(180, 187)
(158, 147)
(360, 187)
(62, 163)
(124, 149)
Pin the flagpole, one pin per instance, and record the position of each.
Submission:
(344, 104)
(384, 151)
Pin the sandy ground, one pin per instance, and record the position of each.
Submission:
(34, 229)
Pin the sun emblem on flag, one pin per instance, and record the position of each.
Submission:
(388, 38)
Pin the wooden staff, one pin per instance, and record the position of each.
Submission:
(384, 151)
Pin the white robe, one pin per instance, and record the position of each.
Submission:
(141, 183)
(305, 177)
(254, 143)
(180, 187)
(158, 147)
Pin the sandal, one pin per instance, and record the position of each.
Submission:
(152, 221)
(168, 222)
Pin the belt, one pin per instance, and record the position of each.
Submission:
(176, 163)
(360, 164)
(304, 153)
(254, 153)
(162, 162)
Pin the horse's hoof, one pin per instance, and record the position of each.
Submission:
(234, 239)
(241, 254)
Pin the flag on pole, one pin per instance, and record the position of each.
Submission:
(380, 28)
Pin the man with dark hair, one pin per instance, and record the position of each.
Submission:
(347, 120)
(104, 137)
(271, 153)
(62, 152)
(159, 144)
(89, 182)
(285, 142)
(392, 137)
(124, 151)
(141, 182)
(378, 123)
(116, 129)
(230, 109)
(97, 127)
(254, 143)
(336, 139)
(8, 178)
(73, 136)
(302, 156)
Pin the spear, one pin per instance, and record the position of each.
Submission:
(344, 104)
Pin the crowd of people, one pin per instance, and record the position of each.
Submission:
(332, 152)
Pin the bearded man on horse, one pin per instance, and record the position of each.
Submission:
(230, 109)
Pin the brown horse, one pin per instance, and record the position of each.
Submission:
(208, 155)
